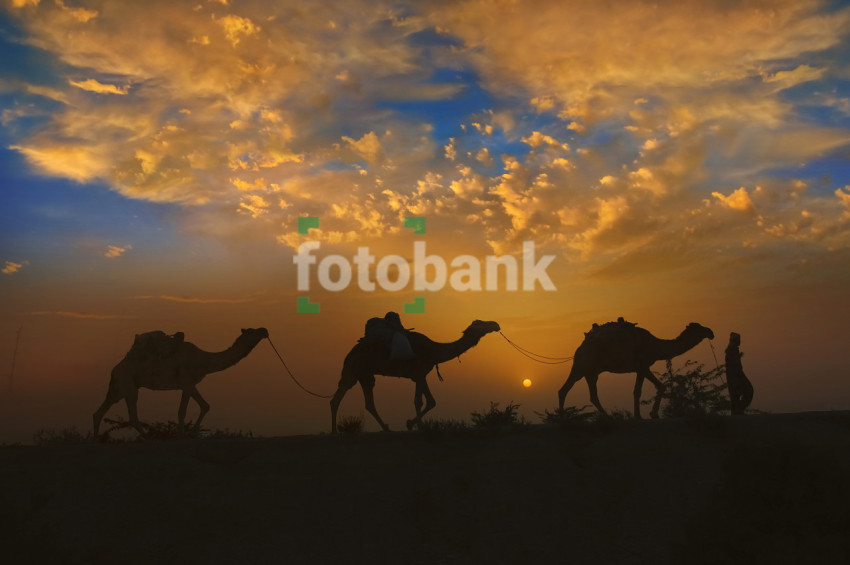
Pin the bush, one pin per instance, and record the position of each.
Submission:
(164, 431)
(350, 425)
(566, 417)
(67, 435)
(497, 419)
(443, 427)
(692, 391)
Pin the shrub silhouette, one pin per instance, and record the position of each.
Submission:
(350, 425)
(163, 431)
(691, 391)
(443, 426)
(566, 417)
(65, 436)
(496, 419)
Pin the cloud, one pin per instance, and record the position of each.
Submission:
(236, 27)
(369, 146)
(843, 195)
(737, 200)
(11, 267)
(81, 15)
(537, 139)
(92, 85)
(79, 163)
(787, 79)
(195, 300)
(80, 315)
(254, 204)
(113, 251)
(571, 67)
(258, 67)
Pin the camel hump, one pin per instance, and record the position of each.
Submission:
(156, 343)
(613, 331)
(388, 334)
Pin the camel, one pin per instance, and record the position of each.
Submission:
(620, 347)
(180, 369)
(364, 361)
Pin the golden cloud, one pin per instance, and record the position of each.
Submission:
(113, 251)
(738, 200)
(369, 146)
(194, 299)
(11, 267)
(80, 315)
(236, 27)
(92, 85)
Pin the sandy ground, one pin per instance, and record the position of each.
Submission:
(763, 488)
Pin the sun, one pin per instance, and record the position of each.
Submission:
(526, 383)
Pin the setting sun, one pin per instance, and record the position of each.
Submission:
(526, 383)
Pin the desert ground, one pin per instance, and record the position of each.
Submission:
(766, 488)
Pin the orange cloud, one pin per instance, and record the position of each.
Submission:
(195, 300)
(93, 85)
(114, 251)
(72, 314)
(236, 27)
(738, 200)
(11, 267)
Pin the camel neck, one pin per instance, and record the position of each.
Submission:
(222, 360)
(447, 351)
(670, 348)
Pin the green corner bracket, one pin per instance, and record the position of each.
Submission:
(416, 223)
(415, 307)
(306, 223)
(307, 307)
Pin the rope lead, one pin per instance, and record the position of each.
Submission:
(293, 376)
(536, 356)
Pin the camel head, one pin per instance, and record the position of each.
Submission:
(480, 328)
(255, 335)
(699, 331)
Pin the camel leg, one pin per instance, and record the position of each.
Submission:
(131, 397)
(113, 395)
(346, 381)
(637, 391)
(417, 404)
(659, 392)
(202, 404)
(422, 389)
(594, 395)
(571, 380)
(368, 385)
(181, 411)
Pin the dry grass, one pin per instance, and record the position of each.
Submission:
(350, 425)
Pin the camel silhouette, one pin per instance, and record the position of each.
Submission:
(364, 361)
(621, 347)
(182, 368)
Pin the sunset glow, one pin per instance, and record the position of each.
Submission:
(681, 161)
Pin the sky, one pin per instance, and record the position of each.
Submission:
(679, 161)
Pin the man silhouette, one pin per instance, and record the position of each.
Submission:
(740, 387)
